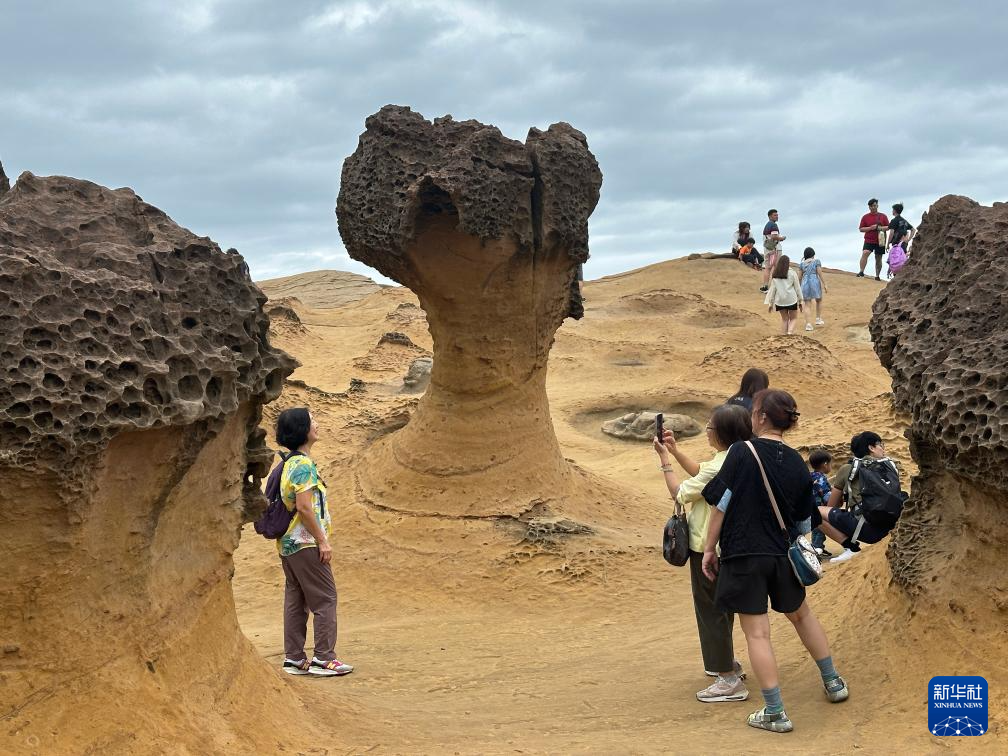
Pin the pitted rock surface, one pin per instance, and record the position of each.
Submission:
(115, 319)
(538, 193)
(938, 327)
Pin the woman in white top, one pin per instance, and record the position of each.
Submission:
(785, 294)
(728, 424)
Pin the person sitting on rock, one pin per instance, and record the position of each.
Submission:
(728, 424)
(754, 380)
(840, 518)
(305, 552)
(744, 247)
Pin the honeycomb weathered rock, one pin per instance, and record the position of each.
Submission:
(114, 319)
(134, 363)
(939, 328)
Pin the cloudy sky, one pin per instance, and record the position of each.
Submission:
(234, 116)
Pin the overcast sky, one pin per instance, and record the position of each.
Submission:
(235, 116)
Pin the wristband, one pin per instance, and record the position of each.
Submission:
(666, 468)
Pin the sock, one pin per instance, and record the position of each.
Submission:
(731, 678)
(826, 669)
(772, 699)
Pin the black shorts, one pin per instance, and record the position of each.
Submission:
(878, 249)
(847, 523)
(745, 582)
(786, 308)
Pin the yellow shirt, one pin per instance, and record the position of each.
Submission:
(690, 495)
(300, 474)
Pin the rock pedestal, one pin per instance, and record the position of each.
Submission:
(488, 233)
(134, 361)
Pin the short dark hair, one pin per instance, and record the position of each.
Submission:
(897, 208)
(753, 381)
(292, 427)
(860, 443)
(873, 201)
(809, 252)
(771, 211)
(743, 224)
(731, 423)
(780, 270)
(779, 407)
(818, 458)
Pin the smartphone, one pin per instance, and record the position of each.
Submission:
(659, 427)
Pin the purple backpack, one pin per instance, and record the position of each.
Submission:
(897, 258)
(277, 518)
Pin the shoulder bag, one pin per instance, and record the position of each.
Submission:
(675, 538)
(800, 554)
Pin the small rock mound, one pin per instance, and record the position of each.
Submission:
(283, 317)
(641, 426)
(417, 378)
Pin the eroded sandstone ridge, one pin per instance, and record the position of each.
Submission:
(488, 233)
(939, 328)
(134, 361)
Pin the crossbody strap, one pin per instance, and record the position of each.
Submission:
(766, 482)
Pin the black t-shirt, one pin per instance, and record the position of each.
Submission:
(900, 227)
(742, 401)
(750, 527)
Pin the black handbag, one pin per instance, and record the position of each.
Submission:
(675, 539)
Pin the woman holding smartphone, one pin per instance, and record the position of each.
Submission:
(727, 425)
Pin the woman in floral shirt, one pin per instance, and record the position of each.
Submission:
(305, 552)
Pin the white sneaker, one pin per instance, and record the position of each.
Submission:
(820, 321)
(845, 556)
(808, 326)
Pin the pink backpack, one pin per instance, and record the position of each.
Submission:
(897, 258)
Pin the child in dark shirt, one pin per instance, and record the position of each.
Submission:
(819, 461)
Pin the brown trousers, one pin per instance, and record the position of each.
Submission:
(713, 625)
(309, 586)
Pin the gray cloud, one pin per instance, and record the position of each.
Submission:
(235, 116)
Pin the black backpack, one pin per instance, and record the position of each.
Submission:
(881, 497)
(277, 518)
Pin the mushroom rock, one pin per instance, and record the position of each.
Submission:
(938, 327)
(488, 233)
(134, 362)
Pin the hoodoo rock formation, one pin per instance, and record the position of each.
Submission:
(134, 362)
(939, 330)
(488, 233)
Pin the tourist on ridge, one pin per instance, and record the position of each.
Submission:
(727, 425)
(813, 286)
(753, 564)
(819, 461)
(754, 380)
(900, 230)
(744, 247)
(305, 552)
(841, 516)
(785, 294)
(873, 225)
(772, 239)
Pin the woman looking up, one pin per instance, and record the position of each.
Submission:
(753, 564)
(305, 553)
